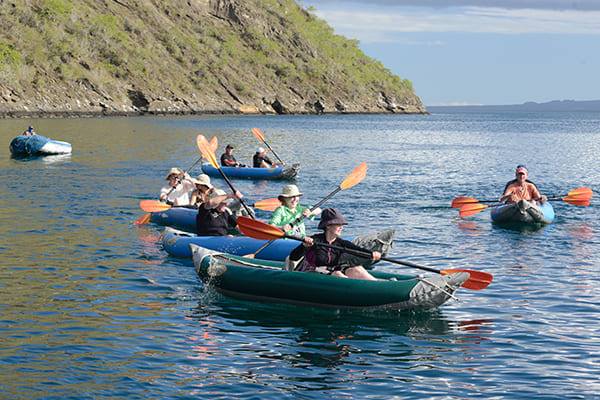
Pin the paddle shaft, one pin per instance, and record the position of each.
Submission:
(272, 151)
(233, 189)
(368, 254)
(300, 218)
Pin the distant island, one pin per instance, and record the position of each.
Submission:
(551, 106)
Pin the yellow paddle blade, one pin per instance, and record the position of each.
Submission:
(471, 209)
(206, 150)
(577, 201)
(153, 206)
(462, 200)
(143, 220)
(268, 204)
(258, 134)
(582, 192)
(214, 144)
(355, 177)
(257, 229)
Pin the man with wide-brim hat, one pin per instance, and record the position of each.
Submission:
(326, 260)
(290, 211)
(176, 193)
(214, 218)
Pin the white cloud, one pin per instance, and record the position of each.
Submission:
(382, 25)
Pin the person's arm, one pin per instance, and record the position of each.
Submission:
(507, 194)
(277, 217)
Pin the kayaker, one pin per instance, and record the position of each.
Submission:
(521, 188)
(176, 193)
(214, 218)
(260, 159)
(290, 210)
(202, 191)
(325, 260)
(29, 131)
(228, 160)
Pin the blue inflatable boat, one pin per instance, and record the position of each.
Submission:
(283, 172)
(523, 212)
(37, 145)
(177, 244)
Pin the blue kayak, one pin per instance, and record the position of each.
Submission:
(185, 217)
(180, 217)
(523, 212)
(177, 244)
(283, 172)
(37, 145)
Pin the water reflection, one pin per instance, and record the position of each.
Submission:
(329, 338)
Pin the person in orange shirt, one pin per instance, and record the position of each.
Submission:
(521, 188)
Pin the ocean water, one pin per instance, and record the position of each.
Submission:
(92, 307)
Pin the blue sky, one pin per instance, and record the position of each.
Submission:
(479, 51)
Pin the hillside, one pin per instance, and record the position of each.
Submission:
(113, 57)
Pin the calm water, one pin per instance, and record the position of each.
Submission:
(92, 307)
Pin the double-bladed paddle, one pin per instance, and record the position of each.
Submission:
(151, 206)
(259, 230)
(353, 179)
(577, 197)
(584, 192)
(208, 153)
(259, 135)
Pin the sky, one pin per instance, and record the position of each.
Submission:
(478, 52)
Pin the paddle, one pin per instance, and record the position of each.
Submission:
(353, 179)
(259, 135)
(259, 230)
(584, 192)
(151, 206)
(209, 154)
(472, 209)
(144, 219)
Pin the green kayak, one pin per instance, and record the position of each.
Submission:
(269, 281)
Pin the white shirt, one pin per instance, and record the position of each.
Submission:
(180, 194)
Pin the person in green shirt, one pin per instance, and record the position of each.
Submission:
(290, 210)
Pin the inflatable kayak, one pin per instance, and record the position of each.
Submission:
(37, 145)
(185, 218)
(269, 281)
(283, 172)
(523, 212)
(177, 244)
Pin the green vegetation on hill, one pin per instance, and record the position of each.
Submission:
(186, 56)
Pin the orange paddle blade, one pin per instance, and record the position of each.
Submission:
(206, 150)
(258, 134)
(577, 201)
(471, 209)
(257, 229)
(153, 206)
(462, 200)
(477, 279)
(143, 220)
(268, 204)
(214, 144)
(582, 192)
(355, 177)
